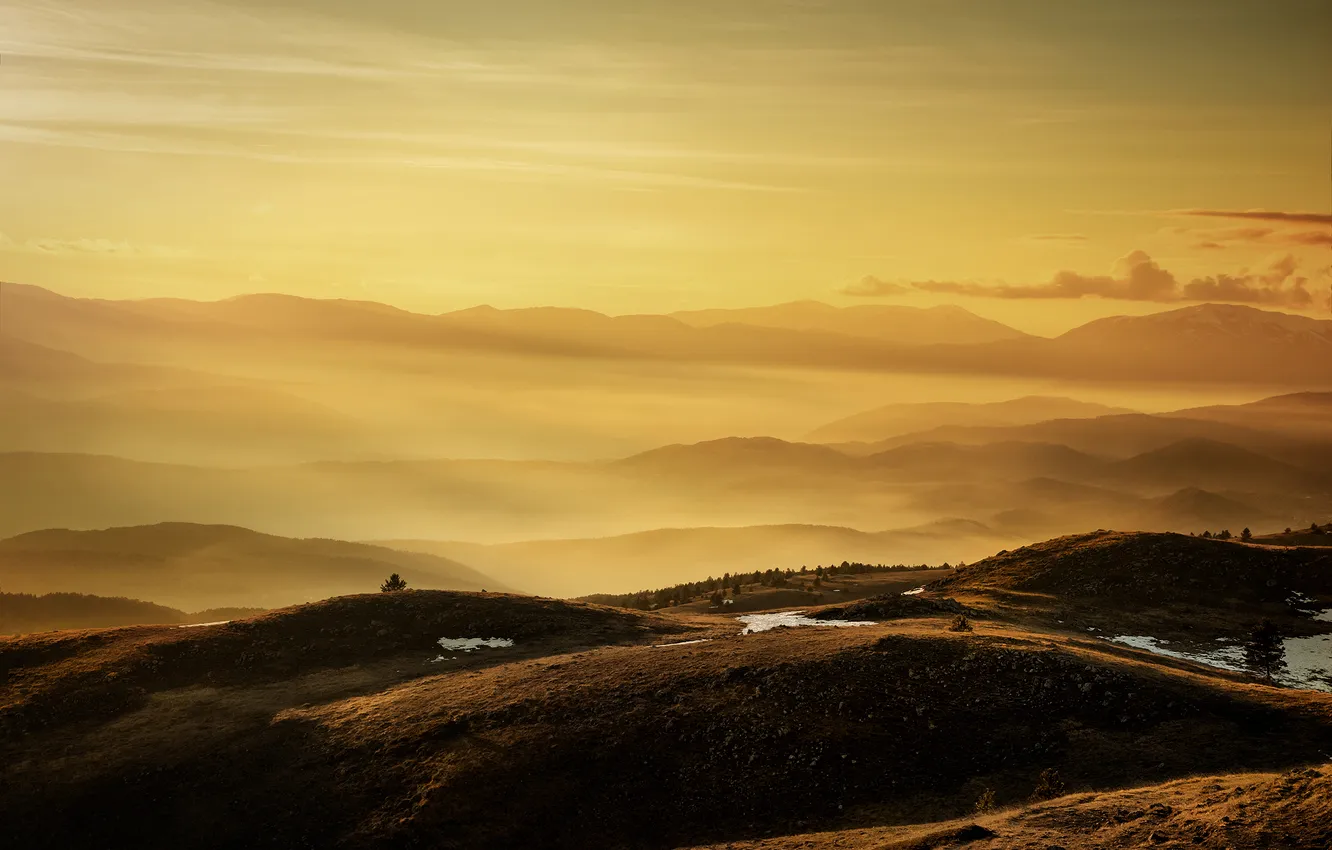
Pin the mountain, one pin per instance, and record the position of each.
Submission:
(630, 562)
(927, 461)
(737, 455)
(1299, 415)
(892, 420)
(208, 566)
(1214, 343)
(1205, 342)
(1212, 464)
(894, 324)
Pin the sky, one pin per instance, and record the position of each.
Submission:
(1043, 162)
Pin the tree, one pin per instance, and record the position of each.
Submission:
(394, 584)
(1246, 534)
(1265, 651)
(1224, 534)
(960, 624)
(1207, 535)
(1048, 786)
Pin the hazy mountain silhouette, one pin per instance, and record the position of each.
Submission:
(892, 420)
(1215, 343)
(1302, 415)
(630, 562)
(890, 323)
(195, 566)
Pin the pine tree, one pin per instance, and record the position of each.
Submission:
(1266, 652)
(394, 584)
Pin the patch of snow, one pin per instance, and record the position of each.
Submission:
(680, 643)
(1324, 616)
(1308, 659)
(469, 644)
(763, 622)
(201, 625)
(914, 591)
(1225, 658)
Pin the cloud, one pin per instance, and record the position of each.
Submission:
(95, 247)
(1137, 277)
(1056, 237)
(1261, 215)
(871, 287)
(1221, 237)
(1277, 285)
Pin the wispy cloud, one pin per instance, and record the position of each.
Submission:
(1260, 215)
(96, 247)
(1071, 238)
(1137, 277)
(870, 286)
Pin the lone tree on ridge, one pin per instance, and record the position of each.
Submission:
(394, 584)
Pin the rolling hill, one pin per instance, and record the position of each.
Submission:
(22, 613)
(194, 567)
(631, 562)
(893, 420)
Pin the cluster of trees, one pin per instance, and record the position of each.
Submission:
(731, 585)
(1224, 534)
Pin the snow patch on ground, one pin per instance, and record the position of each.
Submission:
(914, 591)
(763, 622)
(1308, 659)
(201, 625)
(469, 644)
(680, 643)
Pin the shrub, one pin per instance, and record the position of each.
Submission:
(985, 802)
(960, 624)
(1246, 534)
(1048, 786)
(394, 584)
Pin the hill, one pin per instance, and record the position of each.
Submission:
(1164, 585)
(1299, 415)
(659, 557)
(21, 613)
(209, 566)
(331, 724)
(893, 420)
(1215, 465)
(890, 323)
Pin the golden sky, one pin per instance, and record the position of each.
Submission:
(637, 156)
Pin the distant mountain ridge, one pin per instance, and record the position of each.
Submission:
(1208, 342)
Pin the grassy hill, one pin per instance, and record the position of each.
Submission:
(22, 613)
(613, 741)
(208, 566)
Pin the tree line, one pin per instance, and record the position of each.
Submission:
(731, 585)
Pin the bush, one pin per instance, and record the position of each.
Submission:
(394, 584)
(985, 802)
(960, 624)
(1048, 786)
(1246, 534)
